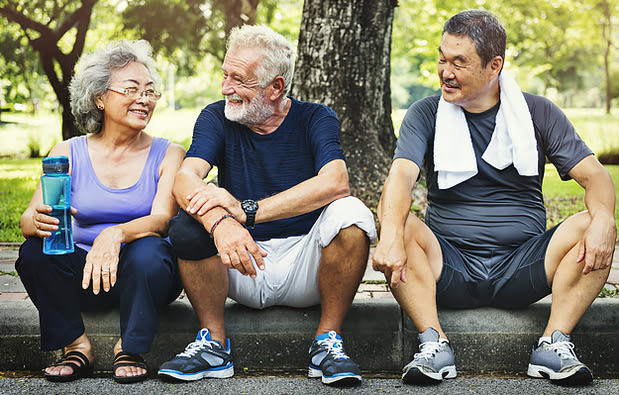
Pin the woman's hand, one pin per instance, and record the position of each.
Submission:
(45, 224)
(102, 260)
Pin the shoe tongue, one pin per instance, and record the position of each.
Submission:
(327, 335)
(204, 334)
(558, 336)
(430, 335)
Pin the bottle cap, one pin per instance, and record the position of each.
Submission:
(56, 164)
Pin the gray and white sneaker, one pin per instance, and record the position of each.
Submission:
(202, 358)
(433, 363)
(556, 361)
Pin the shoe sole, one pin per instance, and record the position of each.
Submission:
(339, 379)
(580, 376)
(214, 374)
(417, 376)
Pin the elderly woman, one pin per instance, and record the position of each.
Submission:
(122, 202)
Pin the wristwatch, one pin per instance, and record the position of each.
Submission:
(250, 207)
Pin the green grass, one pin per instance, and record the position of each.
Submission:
(18, 179)
(565, 198)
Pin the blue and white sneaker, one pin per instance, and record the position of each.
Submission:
(556, 361)
(433, 363)
(201, 358)
(329, 361)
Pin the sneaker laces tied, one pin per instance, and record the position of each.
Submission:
(195, 347)
(564, 349)
(428, 350)
(334, 347)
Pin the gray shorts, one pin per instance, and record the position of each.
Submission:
(507, 279)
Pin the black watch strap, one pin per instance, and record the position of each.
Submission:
(250, 207)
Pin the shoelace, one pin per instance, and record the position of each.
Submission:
(196, 346)
(428, 350)
(563, 349)
(334, 346)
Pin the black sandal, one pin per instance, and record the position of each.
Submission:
(123, 359)
(76, 361)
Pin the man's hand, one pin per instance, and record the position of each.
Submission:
(236, 247)
(390, 258)
(598, 244)
(208, 196)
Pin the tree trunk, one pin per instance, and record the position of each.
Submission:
(239, 12)
(344, 62)
(607, 36)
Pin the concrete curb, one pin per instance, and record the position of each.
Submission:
(376, 335)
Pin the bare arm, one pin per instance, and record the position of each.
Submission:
(393, 210)
(233, 241)
(598, 242)
(329, 184)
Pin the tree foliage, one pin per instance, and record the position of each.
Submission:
(550, 43)
(56, 30)
(189, 30)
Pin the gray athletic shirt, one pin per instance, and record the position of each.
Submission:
(495, 209)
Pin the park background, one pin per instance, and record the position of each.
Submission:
(565, 50)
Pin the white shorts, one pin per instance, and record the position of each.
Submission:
(290, 275)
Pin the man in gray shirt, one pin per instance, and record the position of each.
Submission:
(484, 240)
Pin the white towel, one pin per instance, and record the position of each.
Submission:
(513, 139)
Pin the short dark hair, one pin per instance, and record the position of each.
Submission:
(483, 28)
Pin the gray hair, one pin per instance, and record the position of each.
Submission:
(277, 52)
(94, 75)
(483, 28)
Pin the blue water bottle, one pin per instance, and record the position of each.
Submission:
(56, 186)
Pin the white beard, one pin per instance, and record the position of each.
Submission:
(256, 112)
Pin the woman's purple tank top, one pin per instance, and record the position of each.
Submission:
(99, 206)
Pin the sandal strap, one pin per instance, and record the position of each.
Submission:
(74, 359)
(124, 358)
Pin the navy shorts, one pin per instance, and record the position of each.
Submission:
(508, 279)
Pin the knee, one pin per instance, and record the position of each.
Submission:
(572, 229)
(417, 235)
(579, 223)
(189, 239)
(348, 213)
(148, 257)
(31, 257)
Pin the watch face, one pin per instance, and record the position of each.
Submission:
(250, 205)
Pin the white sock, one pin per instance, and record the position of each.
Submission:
(546, 339)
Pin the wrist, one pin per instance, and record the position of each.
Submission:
(216, 224)
(116, 233)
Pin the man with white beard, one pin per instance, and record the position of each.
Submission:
(280, 228)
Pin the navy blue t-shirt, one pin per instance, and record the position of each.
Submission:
(255, 166)
(495, 209)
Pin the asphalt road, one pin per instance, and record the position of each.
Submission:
(300, 385)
